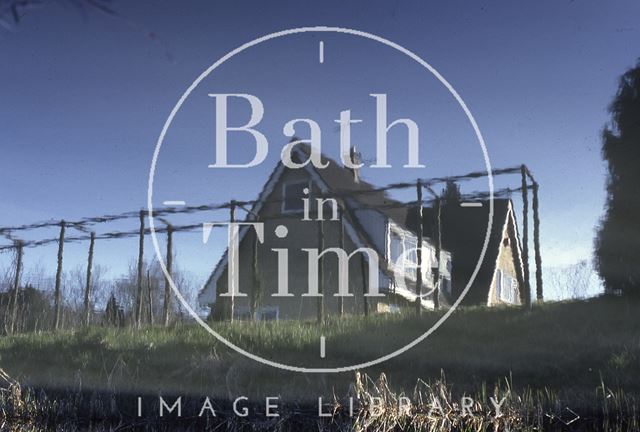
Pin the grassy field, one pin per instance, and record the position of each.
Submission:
(558, 345)
(571, 350)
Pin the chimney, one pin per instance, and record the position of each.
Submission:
(354, 157)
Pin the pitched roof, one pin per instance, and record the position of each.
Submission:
(340, 179)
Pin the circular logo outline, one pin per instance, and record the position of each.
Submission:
(218, 63)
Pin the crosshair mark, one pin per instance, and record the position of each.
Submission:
(471, 204)
(174, 203)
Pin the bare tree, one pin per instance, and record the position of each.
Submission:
(574, 281)
(73, 292)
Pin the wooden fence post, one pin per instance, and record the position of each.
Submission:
(16, 287)
(363, 269)
(57, 293)
(419, 234)
(340, 298)
(167, 282)
(525, 237)
(436, 270)
(149, 298)
(256, 291)
(138, 310)
(320, 304)
(536, 242)
(87, 287)
(232, 219)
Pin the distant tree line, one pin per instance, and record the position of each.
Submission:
(112, 300)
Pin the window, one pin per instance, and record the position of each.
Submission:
(411, 257)
(395, 248)
(506, 287)
(268, 314)
(403, 254)
(411, 246)
(293, 194)
(448, 265)
(514, 290)
(242, 313)
(446, 286)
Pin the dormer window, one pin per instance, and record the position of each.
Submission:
(292, 195)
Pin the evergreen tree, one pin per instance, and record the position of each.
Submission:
(618, 239)
(114, 315)
(451, 193)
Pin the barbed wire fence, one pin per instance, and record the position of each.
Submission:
(84, 230)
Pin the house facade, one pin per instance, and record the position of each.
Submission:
(355, 216)
(360, 217)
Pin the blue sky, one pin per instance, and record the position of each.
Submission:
(84, 98)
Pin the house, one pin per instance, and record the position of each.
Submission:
(368, 218)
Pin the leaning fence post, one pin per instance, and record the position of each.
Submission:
(57, 294)
(363, 270)
(320, 303)
(167, 281)
(341, 298)
(230, 267)
(436, 270)
(138, 311)
(149, 297)
(87, 287)
(525, 237)
(256, 292)
(536, 242)
(16, 287)
(419, 234)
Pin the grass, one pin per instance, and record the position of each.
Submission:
(578, 352)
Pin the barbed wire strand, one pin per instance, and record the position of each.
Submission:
(84, 224)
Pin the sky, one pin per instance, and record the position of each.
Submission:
(84, 96)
